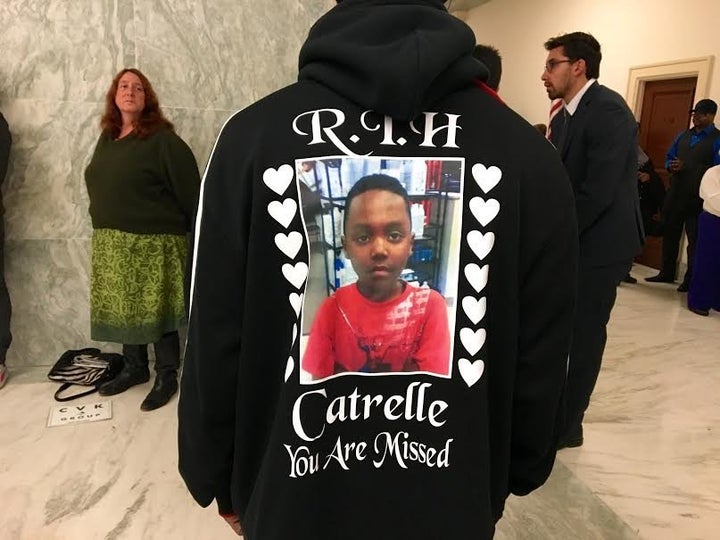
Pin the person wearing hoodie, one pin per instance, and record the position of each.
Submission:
(398, 455)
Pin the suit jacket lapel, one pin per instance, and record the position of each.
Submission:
(556, 128)
(578, 118)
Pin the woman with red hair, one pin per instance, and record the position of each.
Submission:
(143, 185)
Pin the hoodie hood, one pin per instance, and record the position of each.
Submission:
(396, 57)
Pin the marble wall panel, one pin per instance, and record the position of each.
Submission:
(45, 195)
(61, 50)
(206, 59)
(199, 128)
(221, 54)
(49, 284)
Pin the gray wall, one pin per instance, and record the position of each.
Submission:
(205, 58)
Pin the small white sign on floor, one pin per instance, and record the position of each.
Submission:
(73, 414)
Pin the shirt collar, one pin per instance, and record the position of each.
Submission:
(574, 102)
(707, 130)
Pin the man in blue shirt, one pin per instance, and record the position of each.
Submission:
(692, 153)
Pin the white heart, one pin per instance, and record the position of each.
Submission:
(486, 178)
(283, 212)
(472, 340)
(294, 334)
(291, 365)
(484, 211)
(278, 180)
(471, 371)
(480, 243)
(295, 274)
(476, 276)
(289, 244)
(474, 309)
(296, 302)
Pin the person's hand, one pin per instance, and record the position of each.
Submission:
(234, 523)
(643, 177)
(675, 165)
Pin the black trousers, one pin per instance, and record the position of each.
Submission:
(5, 305)
(674, 220)
(597, 290)
(167, 354)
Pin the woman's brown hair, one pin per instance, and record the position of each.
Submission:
(151, 118)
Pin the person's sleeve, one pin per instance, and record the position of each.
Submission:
(206, 409)
(182, 171)
(672, 152)
(433, 353)
(547, 290)
(611, 133)
(655, 178)
(5, 143)
(709, 187)
(716, 151)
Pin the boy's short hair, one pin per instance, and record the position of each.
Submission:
(382, 182)
(490, 57)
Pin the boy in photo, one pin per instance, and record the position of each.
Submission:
(380, 323)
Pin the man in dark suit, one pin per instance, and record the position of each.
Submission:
(596, 135)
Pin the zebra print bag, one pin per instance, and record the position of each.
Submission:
(84, 367)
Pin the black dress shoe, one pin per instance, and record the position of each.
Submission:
(703, 312)
(660, 278)
(684, 287)
(128, 377)
(629, 279)
(164, 388)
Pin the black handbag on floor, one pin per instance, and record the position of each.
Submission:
(89, 368)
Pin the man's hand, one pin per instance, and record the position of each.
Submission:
(675, 165)
(643, 177)
(234, 523)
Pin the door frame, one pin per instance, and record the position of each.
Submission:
(677, 69)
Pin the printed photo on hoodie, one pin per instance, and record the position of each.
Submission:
(384, 236)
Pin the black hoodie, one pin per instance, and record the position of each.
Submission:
(397, 60)
(421, 452)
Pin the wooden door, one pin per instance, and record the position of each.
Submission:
(665, 113)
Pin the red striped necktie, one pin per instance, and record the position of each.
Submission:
(554, 109)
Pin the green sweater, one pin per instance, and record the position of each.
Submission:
(143, 186)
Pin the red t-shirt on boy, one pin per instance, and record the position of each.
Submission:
(351, 333)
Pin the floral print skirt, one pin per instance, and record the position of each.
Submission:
(136, 286)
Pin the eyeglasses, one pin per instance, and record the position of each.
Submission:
(550, 64)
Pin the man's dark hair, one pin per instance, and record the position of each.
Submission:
(490, 56)
(382, 182)
(579, 46)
